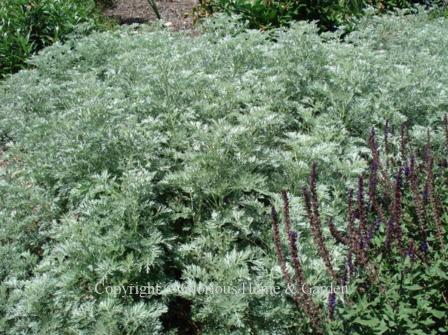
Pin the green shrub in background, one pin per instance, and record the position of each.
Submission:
(141, 156)
(106, 3)
(330, 14)
(27, 26)
(408, 297)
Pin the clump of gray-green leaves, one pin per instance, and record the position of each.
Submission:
(144, 156)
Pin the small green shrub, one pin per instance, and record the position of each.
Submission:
(329, 14)
(27, 26)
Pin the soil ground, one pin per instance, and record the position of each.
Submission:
(2, 162)
(175, 13)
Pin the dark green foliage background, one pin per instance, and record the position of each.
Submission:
(26, 26)
(329, 14)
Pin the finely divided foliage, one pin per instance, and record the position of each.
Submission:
(143, 156)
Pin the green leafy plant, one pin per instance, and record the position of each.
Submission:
(27, 26)
(330, 14)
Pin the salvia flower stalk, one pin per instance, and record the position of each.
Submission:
(417, 199)
(278, 245)
(387, 205)
(337, 235)
(312, 210)
(376, 165)
(397, 212)
(435, 203)
(303, 301)
(331, 305)
(445, 129)
(386, 141)
(403, 142)
(361, 211)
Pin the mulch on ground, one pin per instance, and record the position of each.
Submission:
(175, 13)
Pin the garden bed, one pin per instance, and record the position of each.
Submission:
(176, 13)
(145, 156)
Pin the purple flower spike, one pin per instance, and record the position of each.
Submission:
(377, 224)
(407, 171)
(361, 244)
(426, 153)
(399, 179)
(425, 195)
(424, 246)
(331, 305)
(389, 234)
(445, 126)
(410, 252)
(369, 235)
(293, 235)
